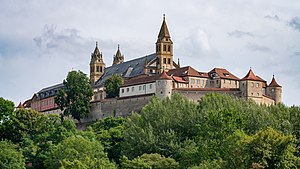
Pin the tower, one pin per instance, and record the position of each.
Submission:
(251, 87)
(97, 65)
(118, 57)
(164, 85)
(274, 90)
(164, 48)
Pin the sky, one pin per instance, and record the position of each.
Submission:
(42, 40)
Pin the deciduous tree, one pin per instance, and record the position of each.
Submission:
(112, 86)
(74, 99)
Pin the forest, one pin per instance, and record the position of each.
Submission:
(218, 132)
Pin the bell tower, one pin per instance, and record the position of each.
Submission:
(164, 48)
(118, 57)
(97, 65)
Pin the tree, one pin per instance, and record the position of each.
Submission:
(110, 132)
(149, 161)
(10, 157)
(74, 98)
(6, 109)
(78, 152)
(112, 86)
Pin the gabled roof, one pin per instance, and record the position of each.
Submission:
(222, 73)
(179, 79)
(186, 71)
(126, 69)
(142, 79)
(49, 91)
(274, 83)
(164, 32)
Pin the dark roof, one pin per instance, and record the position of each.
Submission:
(49, 91)
(126, 69)
(222, 73)
(274, 83)
(142, 79)
(208, 89)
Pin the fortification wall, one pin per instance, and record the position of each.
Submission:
(116, 107)
(195, 95)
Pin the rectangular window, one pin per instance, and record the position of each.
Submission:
(197, 81)
(169, 48)
(132, 89)
(127, 89)
(140, 87)
(257, 85)
(101, 69)
(165, 47)
(122, 90)
(144, 86)
(165, 60)
(97, 68)
(169, 61)
(150, 86)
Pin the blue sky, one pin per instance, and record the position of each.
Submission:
(41, 41)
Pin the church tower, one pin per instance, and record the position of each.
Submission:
(97, 65)
(164, 48)
(118, 57)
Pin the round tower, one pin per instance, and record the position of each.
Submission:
(97, 65)
(274, 90)
(164, 86)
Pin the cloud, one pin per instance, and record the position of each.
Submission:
(258, 48)
(295, 23)
(197, 44)
(240, 34)
(274, 17)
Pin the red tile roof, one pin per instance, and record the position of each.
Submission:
(223, 74)
(179, 79)
(164, 75)
(251, 76)
(274, 83)
(186, 71)
(143, 79)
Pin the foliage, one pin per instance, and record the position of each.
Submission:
(271, 149)
(74, 98)
(109, 132)
(76, 151)
(112, 86)
(151, 161)
(161, 127)
(10, 157)
(6, 109)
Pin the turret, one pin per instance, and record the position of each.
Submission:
(118, 57)
(274, 90)
(164, 86)
(164, 48)
(97, 65)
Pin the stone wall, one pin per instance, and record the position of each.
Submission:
(116, 107)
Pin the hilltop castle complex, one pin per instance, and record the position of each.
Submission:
(158, 74)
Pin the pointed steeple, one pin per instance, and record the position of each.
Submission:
(164, 49)
(164, 32)
(178, 63)
(118, 57)
(97, 65)
(274, 83)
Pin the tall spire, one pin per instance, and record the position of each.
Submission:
(118, 57)
(164, 32)
(274, 83)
